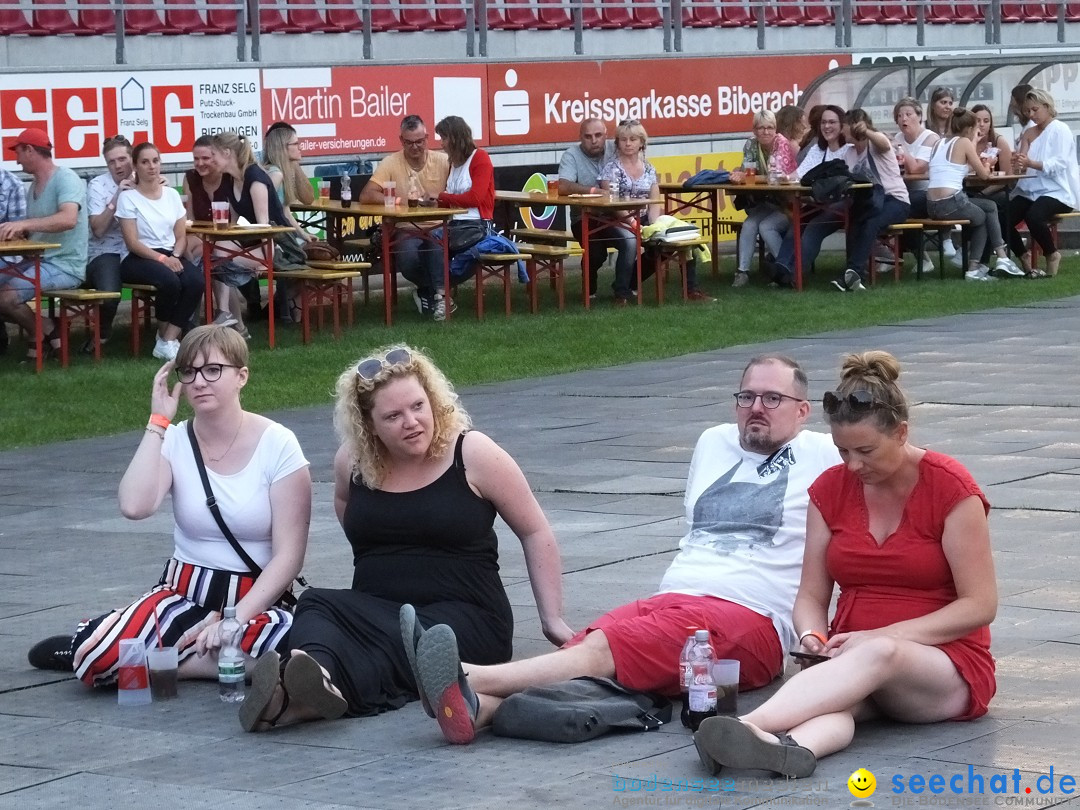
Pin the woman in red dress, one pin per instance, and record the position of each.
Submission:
(903, 532)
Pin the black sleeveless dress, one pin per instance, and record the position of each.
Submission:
(434, 548)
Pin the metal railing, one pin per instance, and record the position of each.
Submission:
(475, 20)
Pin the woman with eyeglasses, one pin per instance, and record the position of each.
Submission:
(154, 225)
(259, 476)
(903, 531)
(417, 493)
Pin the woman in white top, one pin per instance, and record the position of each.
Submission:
(913, 143)
(830, 145)
(1047, 158)
(950, 162)
(260, 478)
(154, 224)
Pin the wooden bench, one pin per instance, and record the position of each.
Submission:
(943, 225)
(544, 235)
(492, 265)
(1054, 222)
(325, 283)
(663, 252)
(78, 303)
(142, 301)
(894, 235)
(547, 259)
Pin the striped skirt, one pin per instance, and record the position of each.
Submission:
(185, 597)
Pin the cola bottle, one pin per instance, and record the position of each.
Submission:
(702, 692)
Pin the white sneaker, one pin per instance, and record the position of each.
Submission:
(948, 247)
(166, 349)
(979, 273)
(851, 282)
(1007, 266)
(927, 265)
(438, 309)
(956, 258)
(742, 278)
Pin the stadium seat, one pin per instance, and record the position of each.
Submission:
(140, 17)
(418, 14)
(615, 14)
(343, 15)
(647, 14)
(302, 16)
(221, 16)
(701, 14)
(939, 12)
(498, 18)
(51, 17)
(554, 14)
(96, 17)
(870, 13)
(182, 17)
(1072, 12)
(13, 21)
(450, 15)
(384, 17)
(818, 12)
(271, 18)
(1029, 12)
(734, 14)
(590, 14)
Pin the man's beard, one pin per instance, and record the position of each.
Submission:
(758, 441)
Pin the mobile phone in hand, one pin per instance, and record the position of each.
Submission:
(808, 658)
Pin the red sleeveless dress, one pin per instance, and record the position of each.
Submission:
(908, 575)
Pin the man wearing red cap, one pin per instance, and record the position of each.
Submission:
(55, 212)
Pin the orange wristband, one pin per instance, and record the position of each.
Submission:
(815, 634)
(159, 420)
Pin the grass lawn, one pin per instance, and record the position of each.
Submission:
(91, 399)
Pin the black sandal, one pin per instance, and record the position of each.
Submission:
(266, 677)
(50, 347)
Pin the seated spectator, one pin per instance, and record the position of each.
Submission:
(470, 185)
(56, 213)
(913, 143)
(942, 102)
(12, 209)
(875, 158)
(261, 481)
(995, 152)
(766, 217)
(829, 144)
(1047, 159)
(579, 173)
(417, 493)
(903, 531)
(305, 192)
(154, 224)
(204, 185)
(793, 123)
(810, 137)
(419, 174)
(736, 573)
(106, 248)
(950, 162)
(281, 152)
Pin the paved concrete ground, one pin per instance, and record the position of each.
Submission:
(607, 453)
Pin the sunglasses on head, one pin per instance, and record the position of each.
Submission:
(368, 369)
(857, 401)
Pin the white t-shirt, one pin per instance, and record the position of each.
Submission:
(747, 531)
(459, 182)
(155, 219)
(243, 497)
(99, 192)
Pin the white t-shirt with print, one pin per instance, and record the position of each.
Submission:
(747, 531)
(99, 193)
(155, 219)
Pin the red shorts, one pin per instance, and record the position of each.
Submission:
(647, 636)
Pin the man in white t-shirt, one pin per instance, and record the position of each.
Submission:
(736, 573)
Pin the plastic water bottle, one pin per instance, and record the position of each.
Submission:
(346, 190)
(686, 675)
(774, 171)
(231, 659)
(702, 695)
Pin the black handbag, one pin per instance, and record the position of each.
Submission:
(287, 597)
(462, 234)
(579, 710)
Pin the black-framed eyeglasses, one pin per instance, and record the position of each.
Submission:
(857, 401)
(368, 369)
(414, 142)
(769, 399)
(211, 372)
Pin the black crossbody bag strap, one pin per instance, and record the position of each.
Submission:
(211, 504)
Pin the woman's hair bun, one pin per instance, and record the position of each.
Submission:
(876, 365)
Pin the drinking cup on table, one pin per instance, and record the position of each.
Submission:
(164, 666)
(726, 676)
(751, 174)
(324, 190)
(553, 185)
(390, 194)
(220, 211)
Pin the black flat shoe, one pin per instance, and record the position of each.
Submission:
(726, 741)
(55, 653)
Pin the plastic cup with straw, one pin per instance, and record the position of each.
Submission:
(164, 665)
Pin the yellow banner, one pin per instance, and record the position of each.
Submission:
(679, 168)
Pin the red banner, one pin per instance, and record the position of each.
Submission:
(545, 102)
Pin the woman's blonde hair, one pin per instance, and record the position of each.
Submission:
(764, 118)
(356, 398)
(276, 152)
(876, 373)
(238, 145)
(1044, 98)
(631, 127)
